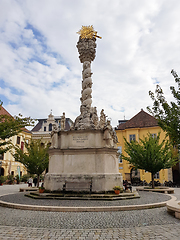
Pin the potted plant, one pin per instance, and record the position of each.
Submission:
(117, 189)
(41, 189)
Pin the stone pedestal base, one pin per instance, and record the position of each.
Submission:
(100, 182)
(83, 156)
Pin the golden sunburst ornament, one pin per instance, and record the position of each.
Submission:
(88, 32)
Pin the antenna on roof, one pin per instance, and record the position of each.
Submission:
(124, 116)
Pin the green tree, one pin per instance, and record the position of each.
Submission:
(35, 157)
(11, 126)
(150, 155)
(168, 114)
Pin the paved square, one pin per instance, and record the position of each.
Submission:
(138, 224)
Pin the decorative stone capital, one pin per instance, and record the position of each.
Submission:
(87, 49)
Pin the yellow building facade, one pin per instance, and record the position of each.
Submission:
(8, 163)
(134, 129)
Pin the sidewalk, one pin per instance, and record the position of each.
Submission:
(8, 189)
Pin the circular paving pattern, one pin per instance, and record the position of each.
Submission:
(145, 198)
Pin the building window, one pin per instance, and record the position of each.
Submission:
(22, 146)
(132, 137)
(2, 156)
(18, 140)
(156, 175)
(50, 127)
(154, 135)
(44, 129)
(120, 154)
(136, 172)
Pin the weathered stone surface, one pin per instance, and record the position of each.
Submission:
(87, 49)
(100, 182)
(83, 154)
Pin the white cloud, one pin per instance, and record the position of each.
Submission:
(39, 65)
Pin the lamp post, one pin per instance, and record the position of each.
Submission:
(18, 172)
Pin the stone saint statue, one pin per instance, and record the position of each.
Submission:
(102, 121)
(54, 137)
(95, 117)
(63, 121)
(108, 134)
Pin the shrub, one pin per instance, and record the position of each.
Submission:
(10, 179)
(24, 178)
(2, 179)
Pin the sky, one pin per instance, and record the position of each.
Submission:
(40, 68)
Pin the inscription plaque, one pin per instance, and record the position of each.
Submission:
(80, 140)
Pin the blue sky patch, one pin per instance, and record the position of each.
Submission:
(36, 33)
(121, 110)
(155, 81)
(4, 100)
(13, 90)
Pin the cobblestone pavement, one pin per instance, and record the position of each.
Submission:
(142, 224)
(153, 232)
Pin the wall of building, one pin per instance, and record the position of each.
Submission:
(9, 165)
(125, 167)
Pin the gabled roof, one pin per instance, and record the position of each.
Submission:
(3, 111)
(40, 123)
(38, 126)
(140, 120)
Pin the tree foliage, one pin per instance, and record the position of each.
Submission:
(150, 154)
(168, 114)
(11, 126)
(35, 157)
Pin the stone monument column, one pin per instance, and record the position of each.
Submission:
(87, 49)
(87, 52)
(87, 153)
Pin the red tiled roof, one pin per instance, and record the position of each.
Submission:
(140, 120)
(26, 130)
(3, 111)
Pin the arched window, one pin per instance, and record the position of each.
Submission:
(50, 127)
